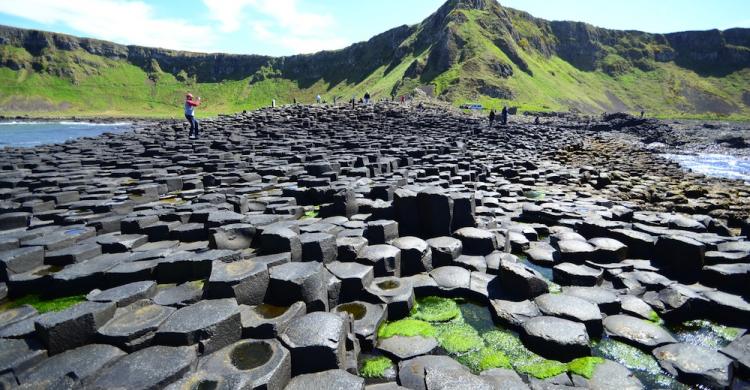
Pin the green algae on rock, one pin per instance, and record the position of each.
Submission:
(435, 309)
(458, 337)
(543, 369)
(375, 367)
(484, 359)
(585, 366)
(406, 327)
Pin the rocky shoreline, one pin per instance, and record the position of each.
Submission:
(313, 247)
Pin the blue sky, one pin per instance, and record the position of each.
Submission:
(283, 27)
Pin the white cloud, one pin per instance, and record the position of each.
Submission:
(127, 22)
(280, 21)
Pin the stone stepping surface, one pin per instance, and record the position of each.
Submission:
(271, 252)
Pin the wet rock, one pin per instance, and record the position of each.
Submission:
(696, 365)
(607, 301)
(575, 251)
(326, 380)
(11, 316)
(445, 379)
(402, 347)
(635, 331)
(513, 314)
(397, 294)
(728, 309)
(323, 349)
(572, 308)
(412, 373)
(154, 367)
(611, 375)
(504, 378)
(739, 350)
(212, 324)
(555, 338)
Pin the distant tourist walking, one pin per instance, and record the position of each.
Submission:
(403, 99)
(492, 117)
(318, 99)
(367, 97)
(642, 113)
(190, 105)
(504, 116)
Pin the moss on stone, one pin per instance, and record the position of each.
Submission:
(406, 327)
(375, 367)
(543, 369)
(459, 338)
(435, 309)
(585, 366)
(485, 359)
(654, 317)
(627, 355)
(509, 344)
(44, 305)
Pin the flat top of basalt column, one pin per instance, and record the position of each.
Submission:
(227, 272)
(135, 320)
(200, 315)
(328, 330)
(636, 331)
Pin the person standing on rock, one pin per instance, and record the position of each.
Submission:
(504, 116)
(190, 105)
(492, 117)
(367, 97)
(318, 99)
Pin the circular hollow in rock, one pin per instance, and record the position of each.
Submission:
(389, 285)
(248, 356)
(270, 311)
(205, 384)
(357, 310)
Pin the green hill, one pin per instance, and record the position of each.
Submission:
(467, 51)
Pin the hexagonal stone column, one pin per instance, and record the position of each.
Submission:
(250, 364)
(317, 342)
(133, 327)
(212, 324)
(73, 327)
(292, 282)
(244, 280)
(150, 368)
(385, 259)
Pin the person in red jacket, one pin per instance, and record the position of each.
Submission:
(190, 105)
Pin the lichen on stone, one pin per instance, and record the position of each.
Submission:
(543, 368)
(485, 359)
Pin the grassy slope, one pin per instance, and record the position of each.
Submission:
(83, 84)
(557, 85)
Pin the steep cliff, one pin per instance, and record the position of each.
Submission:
(467, 50)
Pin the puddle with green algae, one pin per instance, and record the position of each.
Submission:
(472, 338)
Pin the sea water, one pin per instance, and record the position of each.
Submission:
(714, 165)
(29, 134)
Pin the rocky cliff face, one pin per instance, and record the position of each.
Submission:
(481, 41)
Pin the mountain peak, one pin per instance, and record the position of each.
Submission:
(471, 4)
